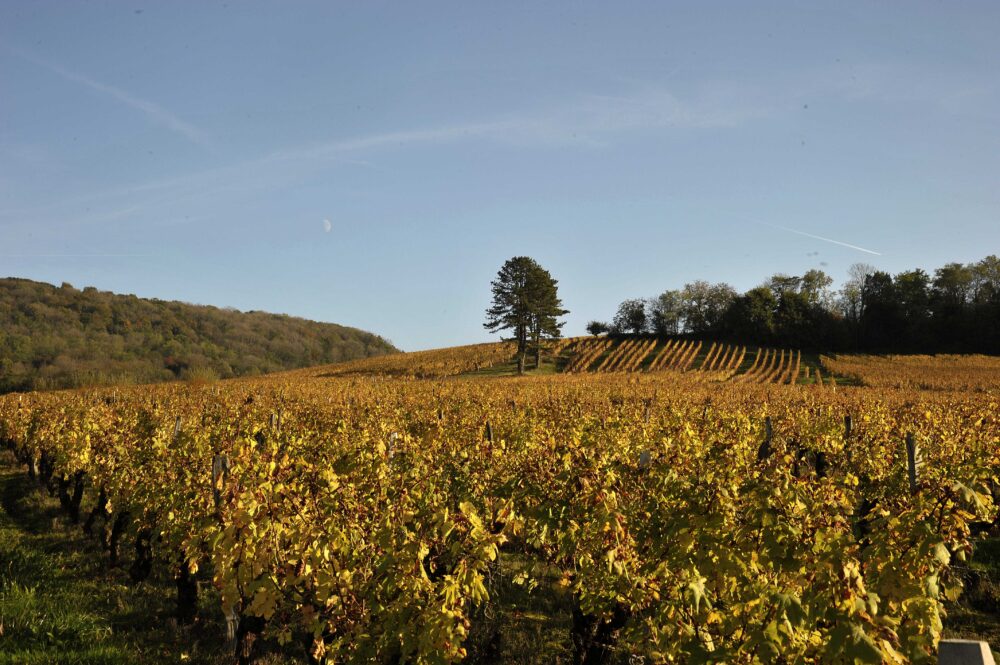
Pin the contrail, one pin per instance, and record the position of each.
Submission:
(816, 237)
(72, 256)
(155, 112)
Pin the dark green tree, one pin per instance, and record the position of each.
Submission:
(986, 280)
(665, 312)
(546, 308)
(751, 316)
(704, 304)
(596, 328)
(631, 317)
(781, 284)
(882, 319)
(794, 319)
(815, 286)
(913, 295)
(953, 285)
(525, 302)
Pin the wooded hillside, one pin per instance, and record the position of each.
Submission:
(58, 337)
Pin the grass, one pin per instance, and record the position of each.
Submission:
(61, 604)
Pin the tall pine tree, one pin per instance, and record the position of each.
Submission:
(526, 302)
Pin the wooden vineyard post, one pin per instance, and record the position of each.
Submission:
(645, 460)
(848, 428)
(33, 466)
(232, 624)
(390, 450)
(913, 461)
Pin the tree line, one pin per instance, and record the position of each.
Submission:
(954, 310)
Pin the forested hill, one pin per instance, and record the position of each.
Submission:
(58, 337)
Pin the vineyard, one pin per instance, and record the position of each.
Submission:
(943, 372)
(660, 517)
(705, 360)
(435, 363)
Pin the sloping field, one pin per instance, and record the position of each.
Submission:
(435, 363)
(938, 372)
(708, 361)
(714, 361)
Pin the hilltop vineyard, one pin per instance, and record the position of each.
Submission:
(435, 363)
(712, 361)
(663, 517)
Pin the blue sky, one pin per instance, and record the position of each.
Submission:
(199, 151)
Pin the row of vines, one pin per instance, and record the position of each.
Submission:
(367, 520)
(719, 362)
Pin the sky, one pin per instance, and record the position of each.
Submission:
(374, 164)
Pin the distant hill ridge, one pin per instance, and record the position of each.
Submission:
(64, 337)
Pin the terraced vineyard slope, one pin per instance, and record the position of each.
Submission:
(713, 361)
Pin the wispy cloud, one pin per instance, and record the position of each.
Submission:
(584, 121)
(816, 237)
(405, 138)
(72, 256)
(153, 111)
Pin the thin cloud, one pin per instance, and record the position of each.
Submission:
(581, 122)
(446, 134)
(71, 256)
(585, 121)
(154, 112)
(829, 240)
